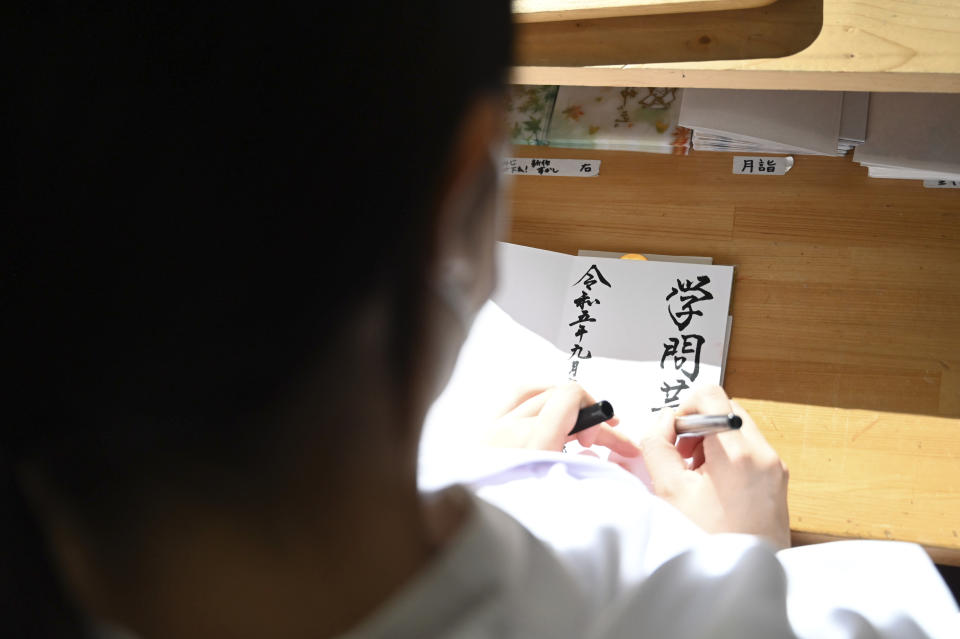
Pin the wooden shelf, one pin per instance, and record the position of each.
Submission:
(883, 45)
(846, 305)
(552, 10)
(783, 28)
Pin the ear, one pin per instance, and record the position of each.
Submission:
(469, 215)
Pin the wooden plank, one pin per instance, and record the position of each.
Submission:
(865, 474)
(883, 45)
(846, 305)
(783, 28)
(552, 10)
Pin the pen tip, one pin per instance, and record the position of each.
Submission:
(735, 421)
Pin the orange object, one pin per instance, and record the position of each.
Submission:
(633, 256)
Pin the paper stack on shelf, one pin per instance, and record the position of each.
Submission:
(855, 110)
(799, 122)
(528, 111)
(619, 118)
(913, 136)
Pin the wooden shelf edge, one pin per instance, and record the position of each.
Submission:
(877, 81)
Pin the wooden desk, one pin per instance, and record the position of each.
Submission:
(846, 307)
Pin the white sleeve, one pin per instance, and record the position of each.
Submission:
(735, 586)
(729, 586)
(601, 521)
(671, 579)
(884, 584)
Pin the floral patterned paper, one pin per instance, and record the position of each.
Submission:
(528, 112)
(621, 118)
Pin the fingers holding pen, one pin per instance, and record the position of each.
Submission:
(713, 400)
(664, 462)
(559, 415)
(691, 448)
(542, 417)
(744, 447)
(735, 481)
(705, 400)
(526, 402)
(614, 439)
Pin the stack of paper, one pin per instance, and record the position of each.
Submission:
(853, 120)
(619, 118)
(800, 122)
(912, 136)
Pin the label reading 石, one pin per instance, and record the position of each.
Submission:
(553, 167)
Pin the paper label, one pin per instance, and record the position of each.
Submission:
(544, 166)
(942, 184)
(756, 165)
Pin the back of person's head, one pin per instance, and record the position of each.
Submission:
(202, 195)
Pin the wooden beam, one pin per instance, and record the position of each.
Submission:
(883, 45)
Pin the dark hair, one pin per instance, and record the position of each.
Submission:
(191, 185)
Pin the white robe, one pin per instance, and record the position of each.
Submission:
(567, 546)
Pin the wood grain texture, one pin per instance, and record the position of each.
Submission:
(880, 45)
(846, 305)
(868, 474)
(552, 10)
(780, 29)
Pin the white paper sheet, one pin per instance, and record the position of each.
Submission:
(538, 289)
(524, 337)
(899, 173)
(626, 319)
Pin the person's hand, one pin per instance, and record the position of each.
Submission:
(735, 482)
(541, 418)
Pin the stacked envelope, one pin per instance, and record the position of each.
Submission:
(796, 122)
(913, 136)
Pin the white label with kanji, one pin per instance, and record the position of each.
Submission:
(757, 165)
(553, 167)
